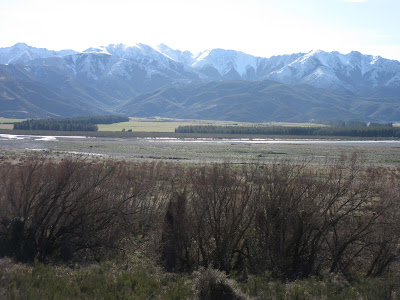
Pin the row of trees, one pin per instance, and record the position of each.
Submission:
(356, 131)
(288, 219)
(338, 123)
(69, 124)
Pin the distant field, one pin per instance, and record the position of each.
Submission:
(6, 126)
(161, 124)
(4, 122)
(169, 125)
(7, 120)
(156, 125)
(141, 126)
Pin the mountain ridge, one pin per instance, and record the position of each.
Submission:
(353, 71)
(104, 79)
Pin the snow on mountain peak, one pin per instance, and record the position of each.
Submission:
(21, 46)
(184, 57)
(101, 50)
(352, 71)
(226, 60)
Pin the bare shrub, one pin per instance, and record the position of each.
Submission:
(382, 243)
(289, 219)
(286, 220)
(222, 210)
(320, 219)
(74, 206)
(292, 220)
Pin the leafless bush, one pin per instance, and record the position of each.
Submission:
(289, 219)
(52, 209)
(222, 201)
(292, 220)
(314, 220)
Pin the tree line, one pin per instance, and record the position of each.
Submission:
(339, 123)
(289, 220)
(68, 124)
(347, 131)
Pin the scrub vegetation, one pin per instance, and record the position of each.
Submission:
(114, 229)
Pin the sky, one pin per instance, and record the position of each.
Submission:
(259, 27)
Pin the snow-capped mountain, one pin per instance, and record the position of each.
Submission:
(141, 63)
(119, 70)
(107, 76)
(354, 71)
(228, 63)
(220, 64)
(183, 57)
(21, 53)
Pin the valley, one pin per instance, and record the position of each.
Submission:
(197, 149)
(213, 150)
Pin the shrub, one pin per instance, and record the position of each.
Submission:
(57, 210)
(222, 201)
(312, 220)
(288, 219)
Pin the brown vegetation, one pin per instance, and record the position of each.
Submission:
(288, 219)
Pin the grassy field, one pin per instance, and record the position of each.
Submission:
(166, 124)
(169, 125)
(143, 126)
(5, 122)
(6, 126)
(143, 280)
(157, 124)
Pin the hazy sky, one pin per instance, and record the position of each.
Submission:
(258, 27)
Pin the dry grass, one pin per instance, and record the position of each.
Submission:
(169, 125)
(8, 120)
(6, 126)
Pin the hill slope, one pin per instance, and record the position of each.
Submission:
(260, 101)
(21, 96)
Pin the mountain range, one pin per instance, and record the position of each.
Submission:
(219, 84)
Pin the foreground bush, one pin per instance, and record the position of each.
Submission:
(291, 220)
(288, 219)
(59, 210)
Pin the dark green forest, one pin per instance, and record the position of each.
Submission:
(352, 130)
(68, 124)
